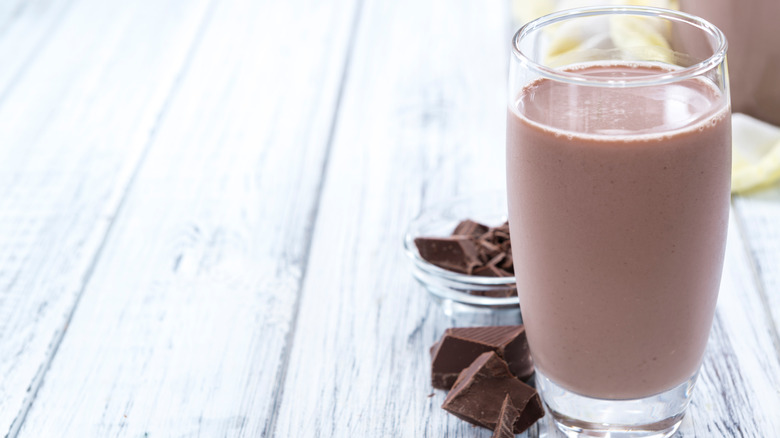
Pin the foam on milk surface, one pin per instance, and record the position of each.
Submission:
(627, 111)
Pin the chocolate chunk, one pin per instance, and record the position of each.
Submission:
(489, 236)
(459, 346)
(531, 412)
(492, 268)
(456, 253)
(450, 356)
(508, 264)
(496, 260)
(501, 236)
(490, 271)
(506, 420)
(500, 233)
(479, 392)
(473, 249)
(488, 250)
(468, 227)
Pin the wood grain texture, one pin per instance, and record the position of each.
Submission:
(738, 392)
(74, 125)
(25, 27)
(422, 119)
(758, 217)
(359, 365)
(201, 213)
(182, 328)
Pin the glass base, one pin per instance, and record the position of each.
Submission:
(657, 416)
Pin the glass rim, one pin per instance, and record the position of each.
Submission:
(695, 70)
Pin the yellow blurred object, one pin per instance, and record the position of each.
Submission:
(668, 4)
(756, 154)
(524, 11)
(642, 38)
(638, 37)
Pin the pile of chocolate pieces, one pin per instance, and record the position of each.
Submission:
(484, 369)
(472, 249)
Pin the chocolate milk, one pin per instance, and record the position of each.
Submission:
(618, 208)
(753, 34)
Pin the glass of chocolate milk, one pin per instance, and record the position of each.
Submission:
(618, 173)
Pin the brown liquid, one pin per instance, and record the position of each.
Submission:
(753, 34)
(618, 207)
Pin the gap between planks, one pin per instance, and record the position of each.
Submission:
(277, 394)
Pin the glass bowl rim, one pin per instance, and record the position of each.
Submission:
(423, 270)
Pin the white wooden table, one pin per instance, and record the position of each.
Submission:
(201, 211)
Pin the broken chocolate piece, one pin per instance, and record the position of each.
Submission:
(532, 412)
(493, 267)
(508, 341)
(500, 233)
(450, 356)
(478, 394)
(468, 227)
(496, 260)
(490, 271)
(508, 264)
(460, 346)
(488, 250)
(456, 253)
(473, 249)
(501, 236)
(506, 420)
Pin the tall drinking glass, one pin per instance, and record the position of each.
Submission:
(618, 173)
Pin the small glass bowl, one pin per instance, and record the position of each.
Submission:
(453, 290)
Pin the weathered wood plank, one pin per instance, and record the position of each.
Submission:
(425, 100)
(758, 217)
(183, 331)
(183, 326)
(422, 119)
(738, 393)
(25, 26)
(74, 127)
